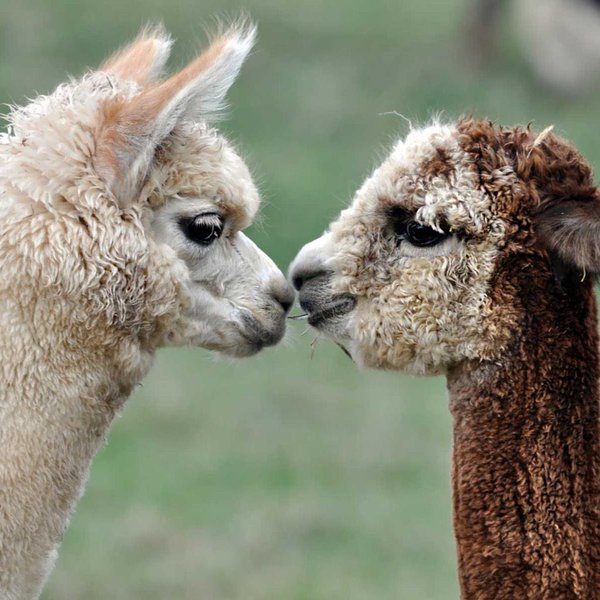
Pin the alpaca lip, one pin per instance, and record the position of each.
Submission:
(339, 306)
(257, 335)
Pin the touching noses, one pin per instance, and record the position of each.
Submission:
(283, 293)
(309, 263)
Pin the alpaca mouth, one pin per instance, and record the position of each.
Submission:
(317, 314)
(258, 336)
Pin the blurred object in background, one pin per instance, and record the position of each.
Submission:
(560, 39)
(482, 29)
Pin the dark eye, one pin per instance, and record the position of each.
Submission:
(420, 235)
(202, 229)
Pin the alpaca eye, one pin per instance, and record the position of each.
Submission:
(422, 235)
(202, 229)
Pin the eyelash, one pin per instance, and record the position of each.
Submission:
(419, 235)
(203, 229)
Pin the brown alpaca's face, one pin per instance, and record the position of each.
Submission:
(404, 278)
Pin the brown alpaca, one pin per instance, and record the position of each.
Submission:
(469, 252)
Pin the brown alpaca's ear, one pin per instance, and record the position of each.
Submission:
(571, 231)
(132, 129)
(568, 216)
(144, 59)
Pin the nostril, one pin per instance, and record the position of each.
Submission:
(286, 304)
(299, 279)
(284, 296)
(297, 282)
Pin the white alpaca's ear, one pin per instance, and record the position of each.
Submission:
(203, 85)
(144, 59)
(132, 129)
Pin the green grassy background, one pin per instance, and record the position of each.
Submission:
(283, 476)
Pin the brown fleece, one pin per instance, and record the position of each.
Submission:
(439, 165)
(526, 471)
(571, 230)
(526, 464)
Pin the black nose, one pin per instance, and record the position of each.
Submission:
(300, 277)
(284, 295)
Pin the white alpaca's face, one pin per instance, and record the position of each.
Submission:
(156, 150)
(238, 298)
(400, 279)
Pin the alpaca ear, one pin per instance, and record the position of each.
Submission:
(567, 223)
(570, 230)
(132, 128)
(144, 59)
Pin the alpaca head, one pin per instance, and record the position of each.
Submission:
(418, 273)
(124, 143)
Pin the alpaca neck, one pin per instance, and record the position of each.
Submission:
(58, 399)
(526, 463)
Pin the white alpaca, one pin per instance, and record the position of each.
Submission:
(121, 213)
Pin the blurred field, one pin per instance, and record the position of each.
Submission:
(282, 477)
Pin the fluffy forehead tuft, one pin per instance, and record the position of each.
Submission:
(422, 143)
(429, 174)
(197, 162)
